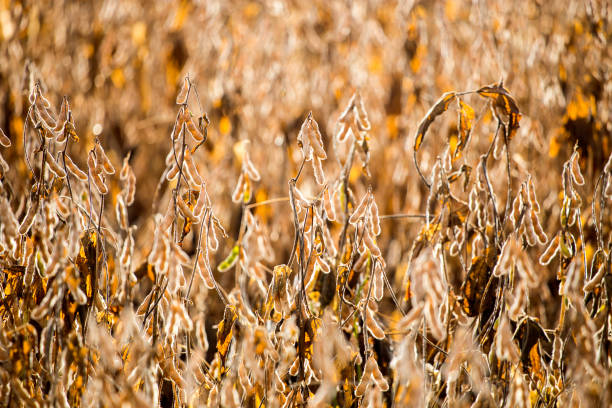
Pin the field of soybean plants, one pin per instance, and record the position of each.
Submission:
(279, 203)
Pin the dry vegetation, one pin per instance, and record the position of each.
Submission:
(279, 204)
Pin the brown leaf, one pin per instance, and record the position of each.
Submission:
(466, 120)
(439, 108)
(225, 331)
(504, 104)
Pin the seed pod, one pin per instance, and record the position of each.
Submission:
(249, 168)
(213, 242)
(126, 168)
(374, 219)
(355, 130)
(186, 211)
(54, 166)
(127, 251)
(608, 189)
(342, 132)
(4, 140)
(237, 194)
(551, 250)
(369, 242)
(365, 377)
(203, 268)
(378, 282)
(173, 172)
(362, 115)
(200, 205)
(317, 167)
(98, 182)
(102, 159)
(191, 127)
(348, 110)
(121, 213)
(191, 179)
(360, 210)
(575, 170)
(596, 279)
(28, 220)
(31, 258)
(62, 117)
(191, 169)
(3, 166)
(372, 325)
(529, 230)
(74, 169)
(44, 116)
(7, 218)
(165, 221)
(181, 98)
(381, 382)
(538, 227)
(92, 165)
(518, 305)
(130, 188)
(531, 196)
(328, 205)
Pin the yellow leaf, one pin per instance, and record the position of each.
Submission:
(466, 120)
(225, 330)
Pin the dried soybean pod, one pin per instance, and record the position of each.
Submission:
(181, 98)
(54, 166)
(4, 166)
(365, 377)
(362, 116)
(369, 242)
(378, 377)
(378, 282)
(98, 182)
(590, 285)
(127, 250)
(204, 268)
(28, 220)
(342, 132)
(125, 168)
(237, 194)
(374, 219)
(92, 165)
(575, 170)
(372, 325)
(186, 211)
(360, 210)
(4, 140)
(551, 250)
(172, 172)
(250, 169)
(191, 127)
(130, 188)
(538, 227)
(62, 118)
(531, 196)
(317, 167)
(121, 213)
(102, 159)
(74, 169)
(328, 205)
